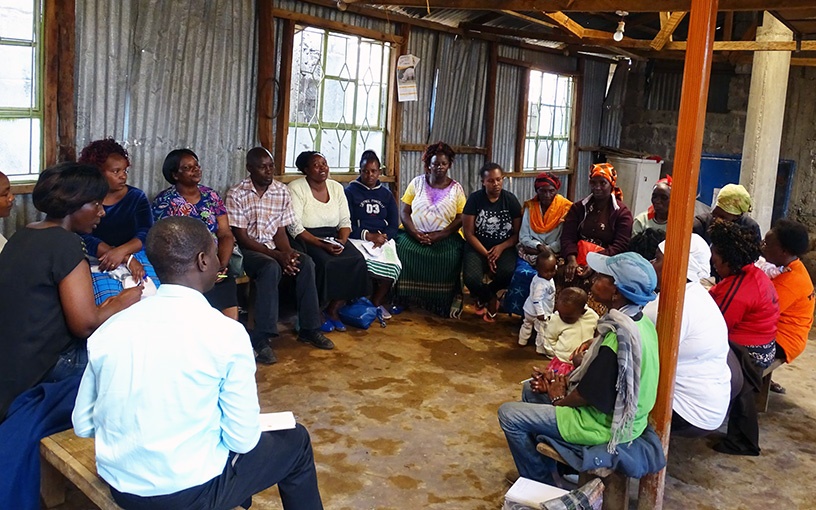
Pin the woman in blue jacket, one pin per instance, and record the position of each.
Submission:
(374, 224)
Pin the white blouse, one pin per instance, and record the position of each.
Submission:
(312, 213)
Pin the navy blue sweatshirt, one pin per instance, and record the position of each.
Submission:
(372, 209)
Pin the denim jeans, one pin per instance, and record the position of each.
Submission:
(71, 362)
(521, 423)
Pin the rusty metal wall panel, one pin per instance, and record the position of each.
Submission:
(508, 103)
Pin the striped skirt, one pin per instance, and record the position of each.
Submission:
(431, 275)
(383, 263)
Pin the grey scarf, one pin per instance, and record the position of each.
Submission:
(628, 383)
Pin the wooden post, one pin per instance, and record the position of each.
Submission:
(394, 126)
(50, 82)
(282, 129)
(66, 108)
(690, 128)
(521, 125)
(572, 163)
(265, 101)
(490, 100)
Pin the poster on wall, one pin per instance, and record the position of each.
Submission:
(406, 78)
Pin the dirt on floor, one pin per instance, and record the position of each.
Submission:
(405, 417)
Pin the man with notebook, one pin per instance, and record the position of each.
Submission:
(169, 394)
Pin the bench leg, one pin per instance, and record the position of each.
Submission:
(616, 492)
(764, 393)
(52, 485)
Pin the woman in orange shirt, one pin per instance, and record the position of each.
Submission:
(782, 246)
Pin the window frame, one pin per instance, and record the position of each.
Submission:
(21, 183)
(524, 120)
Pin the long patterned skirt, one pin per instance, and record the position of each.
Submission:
(431, 275)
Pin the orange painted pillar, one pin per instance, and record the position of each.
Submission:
(690, 128)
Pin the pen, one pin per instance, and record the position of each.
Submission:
(526, 380)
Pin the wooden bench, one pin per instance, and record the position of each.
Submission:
(66, 456)
(764, 392)
(616, 485)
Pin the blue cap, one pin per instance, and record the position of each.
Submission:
(634, 276)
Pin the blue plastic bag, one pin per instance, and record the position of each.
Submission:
(359, 313)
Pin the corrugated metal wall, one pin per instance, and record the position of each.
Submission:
(592, 111)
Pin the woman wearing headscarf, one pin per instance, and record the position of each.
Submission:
(607, 399)
(703, 384)
(657, 215)
(543, 218)
(732, 204)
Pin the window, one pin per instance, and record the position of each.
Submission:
(20, 92)
(549, 121)
(339, 97)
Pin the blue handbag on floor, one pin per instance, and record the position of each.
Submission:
(359, 313)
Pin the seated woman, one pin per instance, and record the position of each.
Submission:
(607, 399)
(323, 227)
(782, 247)
(187, 197)
(657, 215)
(749, 303)
(47, 310)
(6, 203)
(703, 384)
(374, 225)
(119, 238)
(429, 246)
(543, 218)
(600, 223)
(490, 220)
(732, 204)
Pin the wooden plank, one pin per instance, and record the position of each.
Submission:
(458, 149)
(394, 127)
(591, 5)
(666, 30)
(807, 62)
(530, 65)
(521, 122)
(578, 92)
(66, 107)
(265, 100)
(344, 177)
(52, 485)
(490, 100)
(336, 25)
(284, 99)
(566, 23)
(74, 457)
(728, 26)
(50, 136)
(690, 129)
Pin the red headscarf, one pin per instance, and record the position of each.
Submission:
(607, 171)
(547, 178)
(650, 212)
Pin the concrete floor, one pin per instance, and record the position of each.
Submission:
(405, 417)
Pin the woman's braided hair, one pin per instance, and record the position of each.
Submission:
(437, 148)
(736, 245)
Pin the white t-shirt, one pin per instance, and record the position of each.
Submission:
(702, 386)
(541, 300)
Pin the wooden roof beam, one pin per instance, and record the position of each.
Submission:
(591, 5)
(566, 23)
(667, 28)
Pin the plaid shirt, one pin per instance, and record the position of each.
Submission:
(260, 215)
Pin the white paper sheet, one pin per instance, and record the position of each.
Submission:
(277, 421)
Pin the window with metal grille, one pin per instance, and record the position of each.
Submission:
(20, 89)
(549, 121)
(339, 97)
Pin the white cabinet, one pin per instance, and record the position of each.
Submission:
(636, 178)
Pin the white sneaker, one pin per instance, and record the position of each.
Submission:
(384, 312)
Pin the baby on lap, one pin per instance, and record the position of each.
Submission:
(571, 325)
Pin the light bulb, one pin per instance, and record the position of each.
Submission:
(618, 35)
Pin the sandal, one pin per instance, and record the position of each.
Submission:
(778, 388)
(480, 309)
(489, 316)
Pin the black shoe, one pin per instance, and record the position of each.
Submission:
(316, 338)
(266, 356)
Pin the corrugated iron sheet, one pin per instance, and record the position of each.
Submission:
(594, 82)
(508, 83)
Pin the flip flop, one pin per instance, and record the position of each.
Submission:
(778, 388)
(480, 309)
(489, 317)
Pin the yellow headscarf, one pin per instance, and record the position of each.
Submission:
(734, 199)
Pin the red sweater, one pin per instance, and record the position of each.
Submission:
(750, 306)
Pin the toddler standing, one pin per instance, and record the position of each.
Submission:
(571, 325)
(539, 304)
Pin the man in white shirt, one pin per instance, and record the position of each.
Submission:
(259, 207)
(169, 394)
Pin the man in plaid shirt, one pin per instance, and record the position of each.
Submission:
(259, 209)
